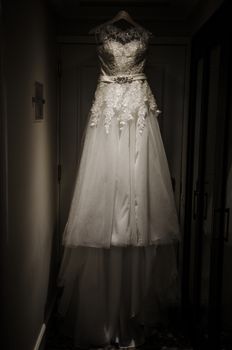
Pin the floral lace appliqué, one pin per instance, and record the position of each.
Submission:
(122, 55)
(111, 31)
(125, 102)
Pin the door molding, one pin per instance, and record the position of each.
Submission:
(3, 139)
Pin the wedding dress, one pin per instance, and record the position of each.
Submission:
(119, 265)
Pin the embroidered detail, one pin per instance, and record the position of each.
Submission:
(111, 31)
(122, 79)
(125, 102)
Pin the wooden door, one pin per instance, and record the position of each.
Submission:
(206, 212)
(226, 246)
(78, 81)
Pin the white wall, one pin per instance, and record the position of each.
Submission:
(29, 57)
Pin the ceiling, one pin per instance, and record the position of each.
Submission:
(164, 17)
(146, 10)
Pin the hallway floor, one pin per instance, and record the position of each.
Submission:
(158, 340)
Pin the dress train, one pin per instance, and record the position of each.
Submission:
(110, 296)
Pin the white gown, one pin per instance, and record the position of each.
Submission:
(119, 261)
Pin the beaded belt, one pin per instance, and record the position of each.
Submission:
(121, 79)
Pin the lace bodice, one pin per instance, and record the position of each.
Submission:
(122, 51)
(123, 92)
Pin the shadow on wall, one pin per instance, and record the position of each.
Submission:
(29, 57)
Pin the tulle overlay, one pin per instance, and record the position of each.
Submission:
(123, 194)
(111, 296)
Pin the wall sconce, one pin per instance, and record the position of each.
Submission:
(38, 101)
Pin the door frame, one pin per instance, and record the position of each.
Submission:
(3, 174)
(3, 138)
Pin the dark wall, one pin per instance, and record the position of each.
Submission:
(29, 56)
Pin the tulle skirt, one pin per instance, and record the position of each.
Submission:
(119, 266)
(123, 194)
(114, 296)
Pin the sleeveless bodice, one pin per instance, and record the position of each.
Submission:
(123, 93)
(122, 51)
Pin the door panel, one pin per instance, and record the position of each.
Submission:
(195, 194)
(209, 290)
(227, 260)
(205, 258)
(209, 180)
(78, 83)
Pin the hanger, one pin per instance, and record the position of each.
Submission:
(124, 15)
(120, 15)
